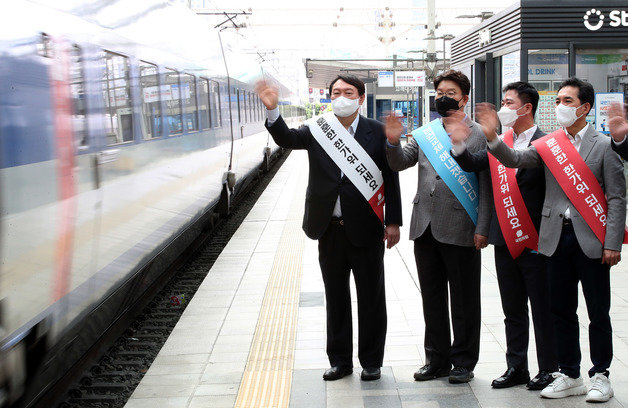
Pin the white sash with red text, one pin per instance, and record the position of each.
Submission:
(512, 213)
(352, 159)
(576, 179)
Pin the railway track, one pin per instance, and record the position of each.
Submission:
(111, 381)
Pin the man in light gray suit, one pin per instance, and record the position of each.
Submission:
(446, 243)
(575, 253)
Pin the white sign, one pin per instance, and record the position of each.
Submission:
(511, 68)
(410, 78)
(603, 103)
(484, 37)
(593, 19)
(385, 79)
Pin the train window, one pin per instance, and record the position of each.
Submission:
(188, 97)
(44, 47)
(260, 112)
(204, 103)
(215, 104)
(77, 90)
(117, 97)
(172, 96)
(246, 101)
(251, 107)
(151, 100)
(237, 95)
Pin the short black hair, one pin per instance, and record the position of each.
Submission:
(455, 76)
(527, 93)
(351, 80)
(586, 93)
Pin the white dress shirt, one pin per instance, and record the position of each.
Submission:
(273, 115)
(575, 141)
(523, 140)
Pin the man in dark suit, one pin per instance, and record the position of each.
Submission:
(350, 235)
(618, 127)
(523, 277)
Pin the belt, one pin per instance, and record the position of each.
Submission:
(567, 221)
(337, 221)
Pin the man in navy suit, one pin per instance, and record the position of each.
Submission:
(350, 235)
(523, 277)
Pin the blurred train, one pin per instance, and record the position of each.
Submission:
(124, 126)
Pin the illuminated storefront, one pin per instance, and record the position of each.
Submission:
(544, 43)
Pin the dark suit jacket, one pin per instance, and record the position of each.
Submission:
(531, 182)
(362, 226)
(622, 149)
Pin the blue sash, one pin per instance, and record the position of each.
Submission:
(434, 141)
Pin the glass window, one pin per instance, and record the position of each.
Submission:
(215, 104)
(172, 96)
(117, 99)
(203, 102)
(188, 97)
(151, 100)
(605, 69)
(546, 70)
(77, 89)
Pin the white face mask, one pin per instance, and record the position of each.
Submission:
(344, 107)
(566, 115)
(508, 116)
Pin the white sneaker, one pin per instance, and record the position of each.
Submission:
(600, 390)
(564, 386)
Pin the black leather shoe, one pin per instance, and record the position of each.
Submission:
(460, 375)
(512, 376)
(370, 374)
(542, 380)
(337, 372)
(430, 371)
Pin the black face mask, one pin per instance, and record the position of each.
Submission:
(444, 104)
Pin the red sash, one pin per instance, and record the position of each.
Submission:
(576, 179)
(512, 213)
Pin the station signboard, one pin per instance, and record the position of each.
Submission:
(409, 78)
(385, 79)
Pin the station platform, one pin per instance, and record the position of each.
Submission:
(254, 333)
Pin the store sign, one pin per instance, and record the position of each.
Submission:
(594, 19)
(410, 78)
(385, 79)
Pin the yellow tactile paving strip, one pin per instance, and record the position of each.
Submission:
(267, 377)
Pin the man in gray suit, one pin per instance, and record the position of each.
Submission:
(575, 253)
(446, 243)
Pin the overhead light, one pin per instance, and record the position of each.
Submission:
(484, 15)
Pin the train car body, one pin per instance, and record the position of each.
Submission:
(118, 134)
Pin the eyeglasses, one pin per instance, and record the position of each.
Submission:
(449, 94)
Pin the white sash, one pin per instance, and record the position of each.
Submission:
(351, 158)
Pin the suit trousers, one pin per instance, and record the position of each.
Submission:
(566, 267)
(521, 279)
(440, 265)
(338, 257)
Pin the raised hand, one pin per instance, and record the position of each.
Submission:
(617, 123)
(487, 118)
(393, 129)
(456, 128)
(268, 94)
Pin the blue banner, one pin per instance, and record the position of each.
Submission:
(434, 141)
